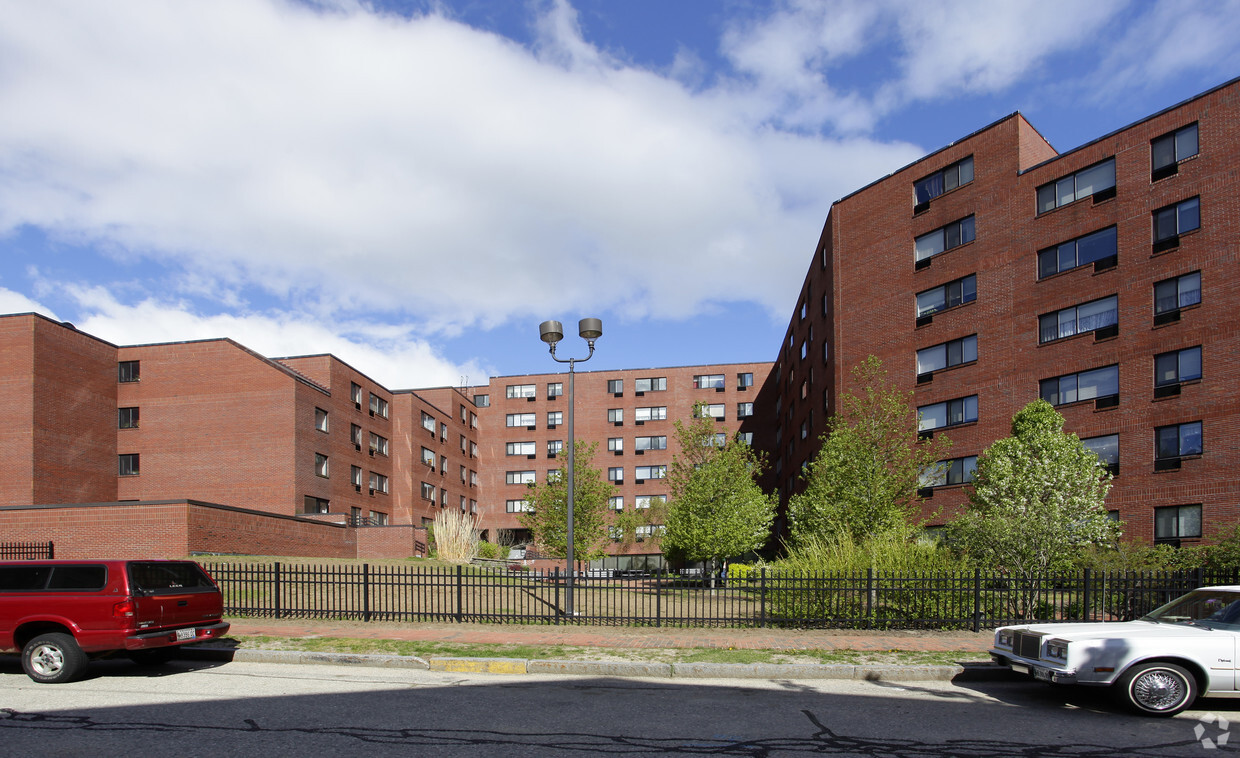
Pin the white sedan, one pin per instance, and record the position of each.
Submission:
(1157, 664)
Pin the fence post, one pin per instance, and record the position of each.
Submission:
(277, 593)
(869, 598)
(365, 592)
(977, 599)
(762, 599)
(658, 599)
(459, 593)
(1087, 596)
(555, 582)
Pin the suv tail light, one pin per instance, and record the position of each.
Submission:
(124, 609)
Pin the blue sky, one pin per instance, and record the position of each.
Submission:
(415, 185)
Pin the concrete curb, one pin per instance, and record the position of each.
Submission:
(876, 673)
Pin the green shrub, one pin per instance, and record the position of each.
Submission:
(821, 580)
(491, 550)
(1129, 556)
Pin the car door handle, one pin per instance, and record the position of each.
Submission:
(182, 603)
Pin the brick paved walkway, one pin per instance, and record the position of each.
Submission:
(623, 637)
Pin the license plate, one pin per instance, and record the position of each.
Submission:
(1020, 668)
(186, 634)
(1042, 673)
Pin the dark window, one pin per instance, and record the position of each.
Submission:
(949, 413)
(744, 380)
(951, 471)
(129, 371)
(945, 180)
(1095, 180)
(954, 353)
(963, 290)
(317, 504)
(78, 578)
(1174, 220)
(1098, 246)
(652, 384)
(482, 401)
(1168, 150)
(1105, 447)
(1085, 385)
(1177, 293)
(128, 464)
(127, 418)
(23, 578)
(170, 578)
(1175, 521)
(1177, 366)
(1178, 440)
(1078, 319)
(615, 386)
(944, 238)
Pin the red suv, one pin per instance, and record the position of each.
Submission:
(59, 614)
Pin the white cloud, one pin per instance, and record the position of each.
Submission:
(15, 302)
(350, 162)
(391, 354)
(1169, 40)
(933, 50)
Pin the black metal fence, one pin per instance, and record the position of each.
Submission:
(27, 551)
(764, 598)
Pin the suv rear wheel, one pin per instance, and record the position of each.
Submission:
(53, 658)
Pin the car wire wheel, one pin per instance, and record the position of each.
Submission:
(1160, 689)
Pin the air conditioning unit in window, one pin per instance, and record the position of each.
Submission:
(1167, 390)
(1170, 243)
(1107, 401)
(357, 488)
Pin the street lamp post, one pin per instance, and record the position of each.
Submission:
(552, 332)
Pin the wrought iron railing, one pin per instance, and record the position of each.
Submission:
(27, 551)
(764, 598)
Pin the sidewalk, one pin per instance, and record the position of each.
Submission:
(972, 646)
(627, 637)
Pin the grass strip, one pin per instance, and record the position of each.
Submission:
(431, 649)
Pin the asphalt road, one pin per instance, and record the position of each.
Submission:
(259, 709)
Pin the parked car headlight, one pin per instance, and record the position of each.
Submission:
(1057, 649)
(1003, 638)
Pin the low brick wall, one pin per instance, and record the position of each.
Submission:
(177, 528)
(388, 542)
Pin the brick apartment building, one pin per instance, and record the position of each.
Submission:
(308, 438)
(630, 414)
(987, 274)
(995, 271)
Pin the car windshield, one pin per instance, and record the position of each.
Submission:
(1217, 609)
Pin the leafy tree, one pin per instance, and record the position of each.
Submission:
(865, 476)
(1224, 554)
(1038, 498)
(715, 510)
(547, 517)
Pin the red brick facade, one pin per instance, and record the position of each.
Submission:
(321, 449)
(859, 299)
(597, 401)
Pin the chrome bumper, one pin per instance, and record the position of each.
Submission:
(1035, 670)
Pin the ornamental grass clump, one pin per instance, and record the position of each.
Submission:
(456, 537)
